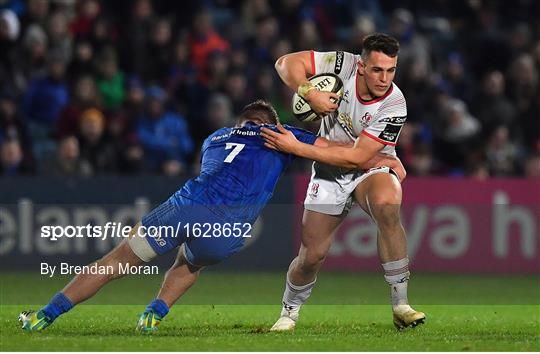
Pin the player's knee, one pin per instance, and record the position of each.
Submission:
(311, 260)
(385, 203)
(387, 191)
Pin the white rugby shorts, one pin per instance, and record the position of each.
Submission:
(330, 190)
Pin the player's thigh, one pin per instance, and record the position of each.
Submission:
(123, 252)
(379, 191)
(317, 231)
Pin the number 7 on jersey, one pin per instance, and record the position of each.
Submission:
(236, 150)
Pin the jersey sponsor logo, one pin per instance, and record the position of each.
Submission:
(394, 120)
(366, 119)
(345, 121)
(339, 62)
(390, 133)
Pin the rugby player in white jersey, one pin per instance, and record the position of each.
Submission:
(370, 115)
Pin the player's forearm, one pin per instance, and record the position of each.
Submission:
(333, 155)
(293, 69)
(381, 159)
(323, 142)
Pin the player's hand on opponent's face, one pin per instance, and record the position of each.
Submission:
(321, 102)
(284, 140)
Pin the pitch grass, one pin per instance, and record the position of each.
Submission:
(233, 312)
(245, 328)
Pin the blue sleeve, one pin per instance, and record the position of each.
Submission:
(302, 134)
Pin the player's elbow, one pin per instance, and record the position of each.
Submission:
(279, 64)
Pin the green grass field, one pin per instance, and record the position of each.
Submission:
(233, 311)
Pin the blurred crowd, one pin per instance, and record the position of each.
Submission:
(92, 87)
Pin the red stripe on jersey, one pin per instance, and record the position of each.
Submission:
(377, 139)
(312, 55)
(364, 102)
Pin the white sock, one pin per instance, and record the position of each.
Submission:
(396, 273)
(294, 297)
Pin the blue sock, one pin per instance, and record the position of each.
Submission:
(57, 306)
(158, 306)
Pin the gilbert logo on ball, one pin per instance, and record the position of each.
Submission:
(322, 82)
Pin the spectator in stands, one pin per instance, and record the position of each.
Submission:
(502, 155)
(122, 121)
(363, 26)
(111, 80)
(85, 96)
(219, 114)
(236, 87)
(36, 13)
(9, 34)
(459, 83)
(414, 47)
(457, 135)
(12, 159)
(308, 34)
(491, 106)
(164, 135)
(135, 36)
(479, 172)
(12, 126)
(160, 46)
(202, 41)
(266, 32)
(59, 36)
(87, 12)
(195, 95)
(181, 74)
(421, 163)
(218, 70)
(46, 96)
(32, 55)
(82, 62)
(67, 162)
(532, 166)
(460, 125)
(121, 128)
(96, 148)
(522, 82)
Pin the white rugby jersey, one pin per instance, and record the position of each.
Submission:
(380, 119)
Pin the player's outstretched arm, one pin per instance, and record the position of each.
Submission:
(379, 160)
(294, 69)
(363, 150)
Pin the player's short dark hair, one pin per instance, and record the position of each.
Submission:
(259, 110)
(380, 42)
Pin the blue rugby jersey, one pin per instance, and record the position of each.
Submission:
(238, 173)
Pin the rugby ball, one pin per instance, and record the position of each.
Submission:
(323, 82)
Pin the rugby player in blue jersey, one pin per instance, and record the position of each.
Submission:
(238, 176)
